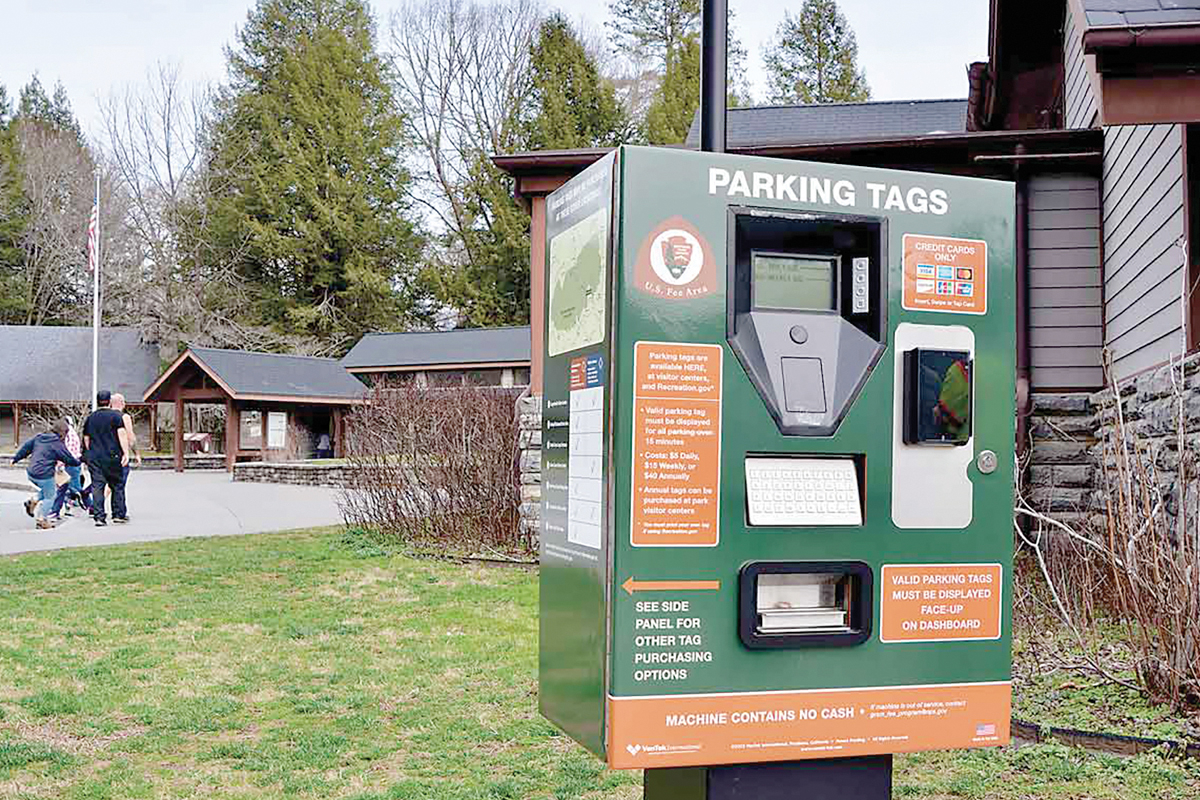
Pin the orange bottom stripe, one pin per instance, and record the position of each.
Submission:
(651, 732)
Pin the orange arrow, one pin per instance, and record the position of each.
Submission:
(631, 586)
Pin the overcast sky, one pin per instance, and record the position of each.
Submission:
(909, 48)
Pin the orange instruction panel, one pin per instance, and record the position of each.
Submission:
(945, 274)
(676, 445)
(940, 602)
(663, 731)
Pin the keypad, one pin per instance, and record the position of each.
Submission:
(802, 491)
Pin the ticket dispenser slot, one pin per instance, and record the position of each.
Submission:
(806, 313)
(804, 604)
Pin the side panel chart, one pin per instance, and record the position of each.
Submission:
(575, 403)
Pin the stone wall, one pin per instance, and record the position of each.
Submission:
(190, 462)
(1071, 433)
(530, 409)
(297, 473)
(1060, 473)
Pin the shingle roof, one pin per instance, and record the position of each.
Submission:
(279, 375)
(1140, 13)
(423, 348)
(54, 364)
(838, 122)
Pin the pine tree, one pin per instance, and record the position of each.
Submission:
(573, 106)
(34, 104)
(814, 58)
(674, 107)
(13, 222)
(314, 214)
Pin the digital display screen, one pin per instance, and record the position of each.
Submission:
(793, 282)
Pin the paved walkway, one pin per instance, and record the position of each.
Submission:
(166, 505)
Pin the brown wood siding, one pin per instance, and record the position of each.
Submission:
(1143, 224)
(1065, 294)
(1079, 104)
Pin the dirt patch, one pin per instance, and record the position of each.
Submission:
(50, 735)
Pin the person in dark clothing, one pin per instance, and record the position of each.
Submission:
(106, 449)
(44, 451)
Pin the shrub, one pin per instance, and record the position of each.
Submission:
(437, 469)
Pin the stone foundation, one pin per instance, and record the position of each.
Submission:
(1064, 475)
(296, 473)
(190, 463)
(529, 407)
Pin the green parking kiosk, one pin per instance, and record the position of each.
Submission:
(778, 427)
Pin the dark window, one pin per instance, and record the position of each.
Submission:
(446, 378)
(485, 377)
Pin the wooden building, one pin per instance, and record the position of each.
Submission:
(460, 357)
(46, 372)
(276, 406)
(1092, 109)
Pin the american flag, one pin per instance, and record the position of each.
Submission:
(985, 730)
(93, 244)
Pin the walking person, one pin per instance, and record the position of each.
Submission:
(72, 490)
(44, 452)
(106, 449)
(118, 404)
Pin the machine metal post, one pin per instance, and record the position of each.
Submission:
(714, 56)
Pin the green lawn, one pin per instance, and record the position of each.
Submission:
(300, 665)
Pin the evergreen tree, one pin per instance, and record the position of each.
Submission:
(35, 105)
(674, 107)
(653, 29)
(314, 214)
(13, 221)
(814, 58)
(572, 105)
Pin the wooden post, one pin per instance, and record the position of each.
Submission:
(178, 429)
(154, 427)
(262, 418)
(17, 424)
(338, 448)
(232, 434)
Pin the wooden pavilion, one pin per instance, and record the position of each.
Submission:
(276, 406)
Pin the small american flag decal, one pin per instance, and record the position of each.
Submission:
(985, 730)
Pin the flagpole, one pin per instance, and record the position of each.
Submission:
(96, 303)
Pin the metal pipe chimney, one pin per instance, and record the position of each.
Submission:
(714, 56)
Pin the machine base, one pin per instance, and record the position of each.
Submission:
(861, 778)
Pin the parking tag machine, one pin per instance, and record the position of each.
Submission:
(778, 427)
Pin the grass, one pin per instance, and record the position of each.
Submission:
(310, 665)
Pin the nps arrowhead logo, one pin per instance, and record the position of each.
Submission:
(675, 262)
(633, 749)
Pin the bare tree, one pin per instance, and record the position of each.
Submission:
(58, 179)
(180, 289)
(462, 77)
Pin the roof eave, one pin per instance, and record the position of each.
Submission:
(1119, 37)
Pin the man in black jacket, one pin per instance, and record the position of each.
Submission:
(106, 450)
(45, 451)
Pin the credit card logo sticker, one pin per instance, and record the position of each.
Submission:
(924, 286)
(964, 274)
(924, 270)
(945, 287)
(945, 273)
(966, 289)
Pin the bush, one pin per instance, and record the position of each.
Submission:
(437, 469)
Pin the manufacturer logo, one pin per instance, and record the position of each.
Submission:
(633, 749)
(676, 256)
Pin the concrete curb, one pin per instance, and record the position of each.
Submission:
(19, 487)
